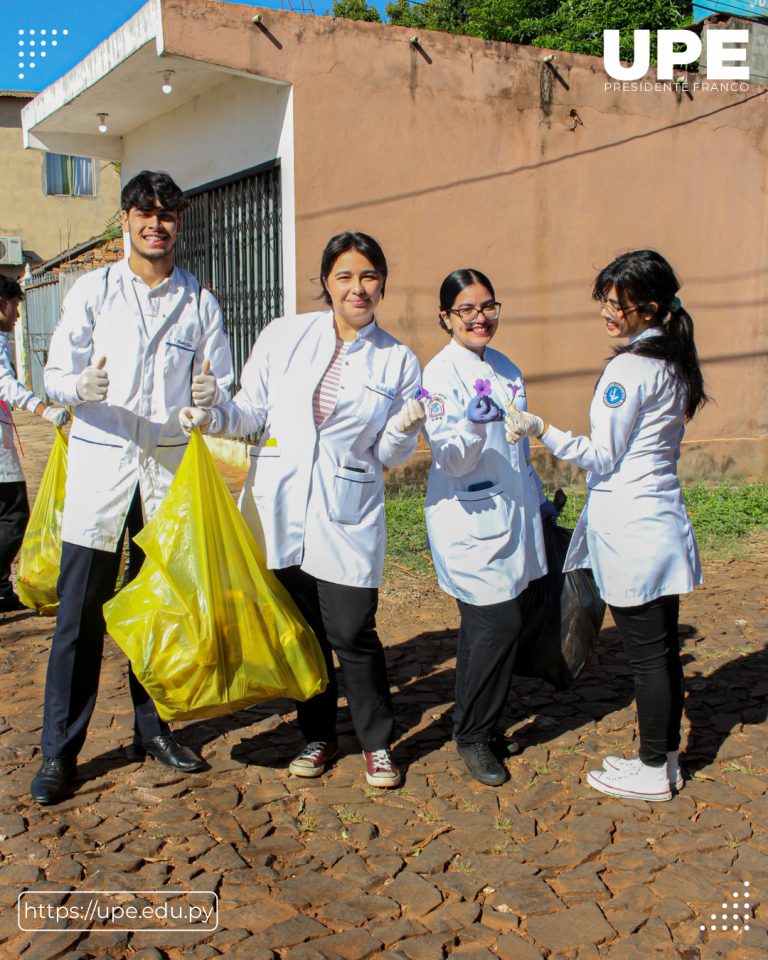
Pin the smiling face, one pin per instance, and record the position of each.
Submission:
(624, 323)
(356, 288)
(473, 319)
(153, 232)
(9, 314)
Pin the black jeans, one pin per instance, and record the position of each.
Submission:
(14, 516)
(344, 621)
(649, 635)
(485, 661)
(86, 582)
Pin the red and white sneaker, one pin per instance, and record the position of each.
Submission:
(381, 771)
(673, 768)
(314, 758)
(636, 783)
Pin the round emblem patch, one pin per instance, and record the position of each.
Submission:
(614, 395)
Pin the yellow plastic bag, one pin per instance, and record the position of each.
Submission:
(207, 627)
(41, 550)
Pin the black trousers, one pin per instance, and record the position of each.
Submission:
(485, 661)
(86, 582)
(14, 516)
(344, 621)
(649, 635)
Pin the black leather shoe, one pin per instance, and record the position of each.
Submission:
(168, 751)
(52, 778)
(482, 763)
(11, 604)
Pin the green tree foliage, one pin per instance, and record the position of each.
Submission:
(356, 10)
(573, 25)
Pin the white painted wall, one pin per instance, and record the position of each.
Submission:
(234, 126)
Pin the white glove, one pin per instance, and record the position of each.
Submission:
(521, 424)
(93, 382)
(412, 416)
(204, 387)
(190, 418)
(58, 416)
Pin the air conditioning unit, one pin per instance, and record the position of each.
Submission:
(10, 250)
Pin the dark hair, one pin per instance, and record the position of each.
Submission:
(452, 286)
(10, 289)
(344, 242)
(645, 281)
(149, 188)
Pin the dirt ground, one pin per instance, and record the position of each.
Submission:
(306, 870)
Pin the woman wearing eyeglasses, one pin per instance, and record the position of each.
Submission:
(483, 509)
(634, 531)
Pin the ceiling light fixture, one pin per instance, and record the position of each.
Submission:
(167, 88)
(102, 122)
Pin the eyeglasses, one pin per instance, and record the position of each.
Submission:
(614, 307)
(469, 315)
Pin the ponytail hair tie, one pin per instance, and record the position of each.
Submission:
(676, 305)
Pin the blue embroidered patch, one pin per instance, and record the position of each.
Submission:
(614, 395)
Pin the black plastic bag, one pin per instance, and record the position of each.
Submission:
(562, 617)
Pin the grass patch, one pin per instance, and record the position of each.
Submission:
(724, 518)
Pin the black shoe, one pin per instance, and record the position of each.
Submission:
(52, 778)
(11, 604)
(168, 751)
(482, 763)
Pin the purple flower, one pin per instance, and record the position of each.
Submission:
(422, 394)
(483, 388)
(514, 388)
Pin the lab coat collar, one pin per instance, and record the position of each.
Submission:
(461, 356)
(644, 334)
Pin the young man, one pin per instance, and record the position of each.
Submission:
(14, 507)
(129, 352)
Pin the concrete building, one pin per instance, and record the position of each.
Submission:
(51, 201)
(454, 152)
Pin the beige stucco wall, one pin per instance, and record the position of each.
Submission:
(46, 225)
(447, 154)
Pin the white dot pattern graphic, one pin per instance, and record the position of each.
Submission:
(30, 54)
(746, 917)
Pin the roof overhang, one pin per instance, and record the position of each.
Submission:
(122, 78)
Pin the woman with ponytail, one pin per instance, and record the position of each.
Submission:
(634, 531)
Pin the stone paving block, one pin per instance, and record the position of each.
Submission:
(472, 951)
(528, 898)
(500, 870)
(532, 849)
(645, 860)
(317, 889)
(715, 794)
(434, 858)
(567, 856)
(575, 927)
(327, 851)
(536, 796)
(52, 947)
(256, 917)
(277, 846)
(625, 921)
(12, 825)
(416, 895)
(510, 946)
(582, 883)
(390, 933)
(470, 840)
(288, 933)
(376, 905)
(749, 862)
(350, 945)
(431, 947)
(672, 911)
(685, 883)
(456, 885)
(22, 873)
(503, 922)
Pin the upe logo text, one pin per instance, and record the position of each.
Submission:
(668, 58)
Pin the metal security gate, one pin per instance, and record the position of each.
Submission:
(231, 240)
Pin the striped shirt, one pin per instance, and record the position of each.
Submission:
(324, 399)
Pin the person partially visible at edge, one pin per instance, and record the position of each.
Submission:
(334, 395)
(484, 509)
(14, 506)
(136, 342)
(635, 531)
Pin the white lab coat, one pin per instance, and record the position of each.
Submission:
(634, 531)
(13, 394)
(134, 436)
(486, 545)
(318, 492)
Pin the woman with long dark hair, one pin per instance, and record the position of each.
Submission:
(483, 508)
(634, 531)
(333, 396)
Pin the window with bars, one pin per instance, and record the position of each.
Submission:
(68, 176)
(231, 240)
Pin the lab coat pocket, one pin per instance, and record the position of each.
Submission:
(96, 462)
(375, 404)
(353, 494)
(484, 513)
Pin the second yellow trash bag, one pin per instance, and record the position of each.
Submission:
(41, 550)
(207, 627)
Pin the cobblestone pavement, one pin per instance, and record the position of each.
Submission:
(307, 870)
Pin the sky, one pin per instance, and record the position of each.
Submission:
(61, 34)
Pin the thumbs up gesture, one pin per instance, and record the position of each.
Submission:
(204, 386)
(93, 382)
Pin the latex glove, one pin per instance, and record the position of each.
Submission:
(204, 387)
(412, 416)
(93, 382)
(58, 416)
(190, 418)
(521, 424)
(483, 410)
(549, 513)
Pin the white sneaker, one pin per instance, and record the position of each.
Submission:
(673, 768)
(636, 783)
